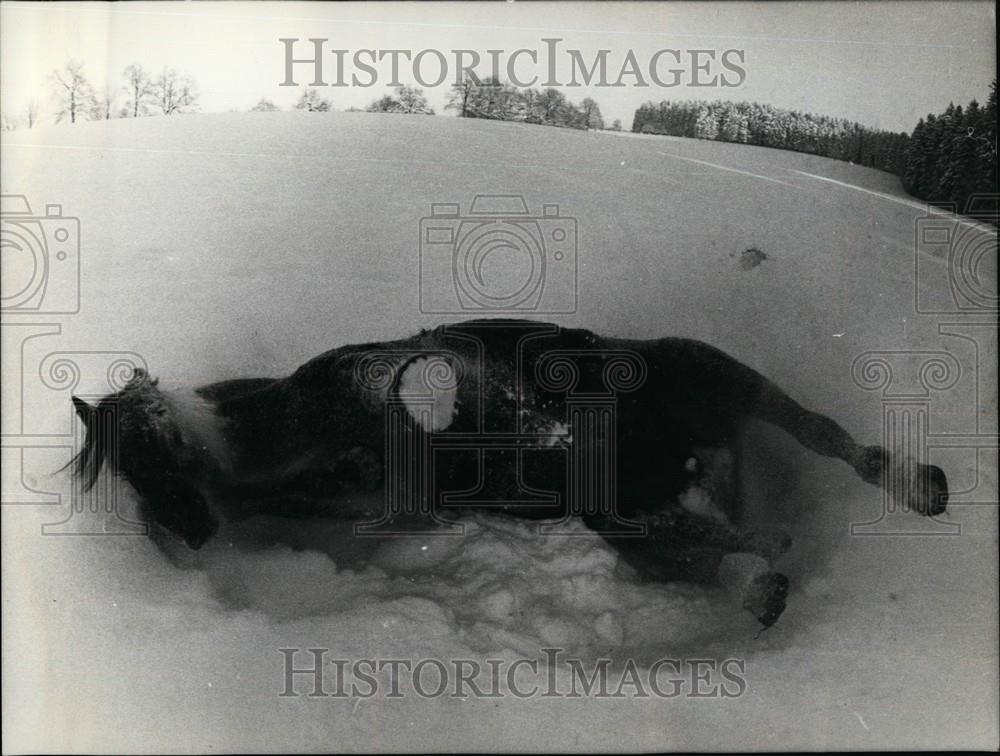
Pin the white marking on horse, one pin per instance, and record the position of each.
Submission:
(698, 501)
(559, 434)
(199, 424)
(433, 407)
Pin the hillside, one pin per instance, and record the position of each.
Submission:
(218, 246)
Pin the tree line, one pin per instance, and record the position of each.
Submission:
(953, 155)
(476, 99)
(403, 100)
(171, 92)
(492, 99)
(756, 123)
(168, 92)
(141, 93)
(946, 159)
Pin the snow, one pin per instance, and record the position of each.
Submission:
(219, 246)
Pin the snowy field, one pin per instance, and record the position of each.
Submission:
(218, 246)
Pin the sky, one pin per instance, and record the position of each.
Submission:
(884, 64)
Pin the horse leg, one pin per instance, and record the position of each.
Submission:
(727, 383)
(679, 545)
(924, 488)
(330, 488)
(174, 503)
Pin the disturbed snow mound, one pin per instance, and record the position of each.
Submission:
(500, 586)
(750, 258)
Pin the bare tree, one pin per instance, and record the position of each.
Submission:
(591, 112)
(552, 106)
(412, 100)
(311, 100)
(73, 91)
(385, 104)
(506, 103)
(8, 123)
(407, 100)
(139, 88)
(102, 106)
(462, 94)
(264, 105)
(175, 92)
(31, 113)
(530, 104)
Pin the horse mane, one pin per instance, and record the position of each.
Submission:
(181, 426)
(98, 444)
(102, 429)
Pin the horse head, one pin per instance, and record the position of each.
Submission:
(126, 414)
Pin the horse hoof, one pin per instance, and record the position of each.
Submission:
(936, 501)
(198, 535)
(765, 597)
(925, 490)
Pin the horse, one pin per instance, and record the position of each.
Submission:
(639, 439)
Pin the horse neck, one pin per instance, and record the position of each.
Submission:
(255, 424)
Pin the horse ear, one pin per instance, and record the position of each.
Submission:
(84, 410)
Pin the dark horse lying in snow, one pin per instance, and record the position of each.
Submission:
(637, 438)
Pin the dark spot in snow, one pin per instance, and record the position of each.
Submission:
(750, 258)
(893, 597)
